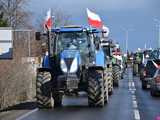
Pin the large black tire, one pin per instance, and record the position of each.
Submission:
(110, 84)
(106, 92)
(95, 89)
(57, 99)
(116, 75)
(43, 90)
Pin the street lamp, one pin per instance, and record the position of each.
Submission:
(158, 22)
(127, 37)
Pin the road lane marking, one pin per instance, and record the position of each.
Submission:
(129, 84)
(133, 97)
(136, 114)
(133, 85)
(27, 114)
(135, 104)
(133, 92)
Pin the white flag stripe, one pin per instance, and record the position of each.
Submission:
(155, 64)
(48, 14)
(93, 16)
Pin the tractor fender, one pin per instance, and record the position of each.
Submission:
(45, 62)
(100, 58)
(95, 68)
(117, 65)
(43, 69)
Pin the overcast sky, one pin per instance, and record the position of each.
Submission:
(137, 15)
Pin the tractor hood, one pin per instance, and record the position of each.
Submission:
(70, 60)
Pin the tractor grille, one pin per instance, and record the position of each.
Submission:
(72, 82)
(68, 62)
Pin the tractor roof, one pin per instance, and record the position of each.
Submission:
(76, 28)
(70, 29)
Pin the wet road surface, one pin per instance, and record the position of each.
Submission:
(118, 108)
(128, 102)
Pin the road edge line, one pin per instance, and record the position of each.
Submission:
(27, 114)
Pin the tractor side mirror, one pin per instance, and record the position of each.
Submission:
(38, 36)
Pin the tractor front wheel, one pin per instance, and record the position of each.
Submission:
(43, 90)
(95, 88)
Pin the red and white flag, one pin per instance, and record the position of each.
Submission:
(94, 19)
(156, 65)
(48, 20)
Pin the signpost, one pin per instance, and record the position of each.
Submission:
(6, 43)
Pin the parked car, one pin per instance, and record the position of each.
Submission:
(149, 72)
(155, 83)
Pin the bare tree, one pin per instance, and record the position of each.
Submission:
(15, 13)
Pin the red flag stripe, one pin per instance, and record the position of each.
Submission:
(48, 20)
(94, 19)
(95, 23)
(49, 23)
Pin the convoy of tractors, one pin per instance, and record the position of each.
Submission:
(83, 59)
(78, 59)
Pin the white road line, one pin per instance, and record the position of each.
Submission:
(133, 85)
(133, 97)
(129, 84)
(132, 89)
(133, 92)
(27, 114)
(136, 114)
(135, 104)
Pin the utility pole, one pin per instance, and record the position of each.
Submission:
(127, 37)
(158, 24)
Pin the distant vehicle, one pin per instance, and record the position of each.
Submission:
(149, 72)
(148, 55)
(136, 63)
(118, 67)
(155, 83)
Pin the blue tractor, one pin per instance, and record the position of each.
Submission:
(74, 63)
(106, 45)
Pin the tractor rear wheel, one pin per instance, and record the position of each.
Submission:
(43, 90)
(106, 92)
(110, 85)
(116, 75)
(95, 88)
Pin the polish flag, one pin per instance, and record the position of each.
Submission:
(156, 65)
(48, 20)
(94, 19)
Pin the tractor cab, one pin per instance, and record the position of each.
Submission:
(73, 46)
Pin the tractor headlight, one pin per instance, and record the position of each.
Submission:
(74, 66)
(63, 66)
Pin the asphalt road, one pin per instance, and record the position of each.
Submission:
(128, 102)
(149, 106)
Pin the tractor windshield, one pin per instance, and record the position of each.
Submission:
(72, 41)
